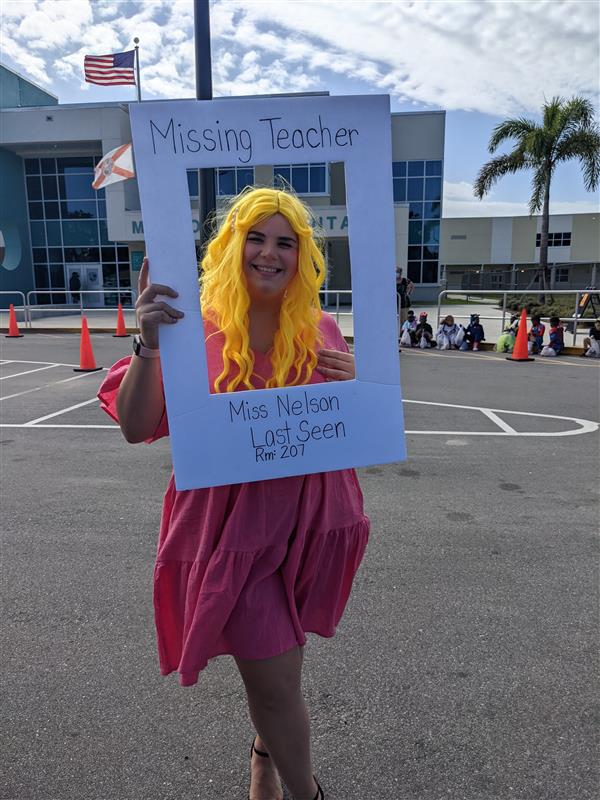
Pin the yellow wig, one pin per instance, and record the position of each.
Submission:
(225, 300)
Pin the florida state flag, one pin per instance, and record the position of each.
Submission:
(115, 166)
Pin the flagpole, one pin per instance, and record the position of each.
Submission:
(206, 189)
(137, 64)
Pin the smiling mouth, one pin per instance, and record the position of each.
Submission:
(266, 270)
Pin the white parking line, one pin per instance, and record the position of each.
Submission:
(28, 372)
(58, 413)
(46, 385)
(82, 427)
(52, 363)
(585, 425)
(499, 422)
(497, 358)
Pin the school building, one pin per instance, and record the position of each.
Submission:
(502, 253)
(53, 224)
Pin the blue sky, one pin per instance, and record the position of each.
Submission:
(480, 61)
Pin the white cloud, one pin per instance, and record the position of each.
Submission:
(459, 201)
(106, 9)
(32, 65)
(54, 23)
(493, 56)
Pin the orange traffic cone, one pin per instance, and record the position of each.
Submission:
(13, 328)
(121, 329)
(520, 351)
(87, 362)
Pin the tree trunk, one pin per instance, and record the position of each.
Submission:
(544, 236)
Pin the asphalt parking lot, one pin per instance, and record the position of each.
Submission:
(465, 664)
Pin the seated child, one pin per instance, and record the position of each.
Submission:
(556, 344)
(424, 332)
(591, 343)
(506, 340)
(449, 335)
(407, 331)
(474, 334)
(535, 337)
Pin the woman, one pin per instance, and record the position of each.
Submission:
(248, 569)
(404, 289)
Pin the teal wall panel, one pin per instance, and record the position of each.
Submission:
(16, 272)
(17, 92)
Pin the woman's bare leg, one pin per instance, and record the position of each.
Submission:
(280, 716)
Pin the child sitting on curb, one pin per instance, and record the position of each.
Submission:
(591, 343)
(557, 343)
(449, 335)
(506, 340)
(407, 332)
(424, 332)
(474, 334)
(535, 337)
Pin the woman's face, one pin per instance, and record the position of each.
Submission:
(270, 259)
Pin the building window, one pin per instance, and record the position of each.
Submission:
(555, 239)
(419, 183)
(67, 220)
(231, 180)
(303, 178)
(561, 275)
(192, 179)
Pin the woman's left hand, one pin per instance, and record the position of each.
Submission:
(335, 365)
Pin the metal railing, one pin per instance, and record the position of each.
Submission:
(337, 293)
(23, 305)
(79, 307)
(574, 319)
(517, 277)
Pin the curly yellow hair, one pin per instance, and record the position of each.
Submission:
(225, 300)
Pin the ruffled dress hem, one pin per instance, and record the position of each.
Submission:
(316, 603)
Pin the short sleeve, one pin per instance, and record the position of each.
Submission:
(108, 391)
(333, 338)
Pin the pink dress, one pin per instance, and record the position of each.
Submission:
(249, 569)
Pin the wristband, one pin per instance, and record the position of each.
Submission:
(142, 351)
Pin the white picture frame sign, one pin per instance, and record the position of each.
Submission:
(306, 429)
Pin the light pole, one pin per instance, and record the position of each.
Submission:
(206, 177)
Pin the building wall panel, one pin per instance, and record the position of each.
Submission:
(585, 237)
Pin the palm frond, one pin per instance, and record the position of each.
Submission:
(585, 146)
(569, 131)
(518, 129)
(579, 111)
(496, 168)
(575, 114)
(541, 177)
(539, 145)
(551, 112)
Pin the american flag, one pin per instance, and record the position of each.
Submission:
(111, 70)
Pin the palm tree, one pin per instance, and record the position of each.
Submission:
(568, 131)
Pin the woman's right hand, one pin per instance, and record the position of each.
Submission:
(151, 313)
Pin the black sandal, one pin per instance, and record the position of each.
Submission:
(263, 755)
(258, 752)
(319, 795)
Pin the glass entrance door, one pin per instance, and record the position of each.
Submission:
(89, 277)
